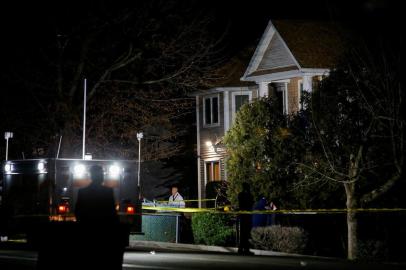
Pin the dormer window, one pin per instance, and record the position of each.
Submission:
(211, 111)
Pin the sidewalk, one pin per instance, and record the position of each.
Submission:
(164, 246)
(154, 246)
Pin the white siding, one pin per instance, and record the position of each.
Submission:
(276, 55)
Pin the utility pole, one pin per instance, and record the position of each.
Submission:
(7, 135)
(140, 135)
(84, 120)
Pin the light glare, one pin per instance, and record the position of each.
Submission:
(114, 170)
(79, 170)
(41, 166)
(8, 168)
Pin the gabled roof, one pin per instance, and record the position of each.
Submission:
(231, 72)
(313, 44)
(295, 44)
(228, 76)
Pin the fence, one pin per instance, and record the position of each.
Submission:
(381, 232)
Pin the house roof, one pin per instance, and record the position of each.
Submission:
(295, 44)
(314, 44)
(229, 75)
(273, 70)
(286, 45)
(231, 72)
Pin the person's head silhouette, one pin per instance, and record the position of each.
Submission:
(96, 175)
(246, 187)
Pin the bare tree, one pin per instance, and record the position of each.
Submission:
(359, 133)
(140, 64)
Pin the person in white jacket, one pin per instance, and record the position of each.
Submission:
(176, 200)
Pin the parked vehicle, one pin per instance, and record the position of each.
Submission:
(38, 191)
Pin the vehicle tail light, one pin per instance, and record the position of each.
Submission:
(130, 210)
(63, 209)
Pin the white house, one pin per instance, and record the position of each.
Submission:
(291, 57)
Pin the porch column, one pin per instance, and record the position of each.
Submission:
(308, 83)
(226, 111)
(199, 178)
(263, 89)
(286, 98)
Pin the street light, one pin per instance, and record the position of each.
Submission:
(140, 135)
(7, 135)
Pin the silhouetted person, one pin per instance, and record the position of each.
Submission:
(260, 220)
(245, 202)
(101, 240)
(95, 203)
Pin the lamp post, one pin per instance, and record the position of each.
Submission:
(140, 135)
(7, 135)
(84, 119)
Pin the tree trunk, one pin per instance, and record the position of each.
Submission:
(352, 224)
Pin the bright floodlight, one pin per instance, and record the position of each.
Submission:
(140, 135)
(79, 170)
(209, 143)
(114, 170)
(8, 135)
(8, 168)
(41, 166)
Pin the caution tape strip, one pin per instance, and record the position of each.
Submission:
(285, 211)
(162, 210)
(196, 200)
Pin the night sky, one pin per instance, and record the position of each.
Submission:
(27, 31)
(23, 26)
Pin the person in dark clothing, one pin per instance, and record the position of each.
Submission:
(245, 202)
(95, 241)
(95, 203)
(100, 231)
(260, 220)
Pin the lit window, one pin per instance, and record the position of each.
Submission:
(213, 171)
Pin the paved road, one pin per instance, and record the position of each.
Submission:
(20, 259)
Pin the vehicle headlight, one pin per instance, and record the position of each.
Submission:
(41, 166)
(79, 170)
(8, 168)
(114, 171)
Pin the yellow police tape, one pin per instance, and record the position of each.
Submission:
(202, 200)
(226, 210)
(285, 211)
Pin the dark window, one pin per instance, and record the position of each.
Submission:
(240, 100)
(279, 100)
(207, 108)
(278, 93)
(211, 110)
